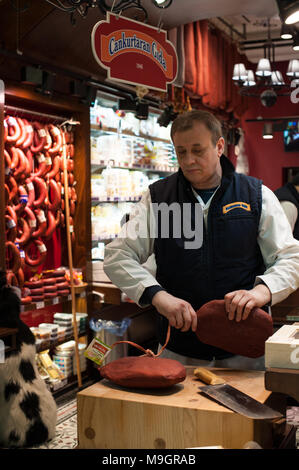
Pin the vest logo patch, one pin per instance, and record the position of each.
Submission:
(236, 205)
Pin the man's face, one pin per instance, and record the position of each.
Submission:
(198, 157)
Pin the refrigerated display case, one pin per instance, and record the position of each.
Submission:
(127, 155)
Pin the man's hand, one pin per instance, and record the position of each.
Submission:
(179, 313)
(238, 304)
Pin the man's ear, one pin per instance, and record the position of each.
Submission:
(220, 146)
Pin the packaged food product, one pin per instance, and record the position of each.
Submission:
(51, 368)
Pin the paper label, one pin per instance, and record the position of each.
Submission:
(55, 300)
(42, 248)
(41, 217)
(71, 228)
(22, 253)
(40, 304)
(41, 158)
(32, 223)
(55, 131)
(42, 132)
(97, 351)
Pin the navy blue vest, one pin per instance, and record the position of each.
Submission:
(229, 258)
(289, 193)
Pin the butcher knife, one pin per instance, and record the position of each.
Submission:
(233, 398)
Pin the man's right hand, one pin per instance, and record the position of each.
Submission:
(179, 313)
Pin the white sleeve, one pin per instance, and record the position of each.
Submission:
(280, 250)
(290, 211)
(125, 255)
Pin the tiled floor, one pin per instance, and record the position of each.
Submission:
(66, 428)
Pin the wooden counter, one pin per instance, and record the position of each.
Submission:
(111, 417)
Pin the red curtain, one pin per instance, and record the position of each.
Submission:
(209, 62)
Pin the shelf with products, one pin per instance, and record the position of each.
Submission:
(79, 290)
(127, 155)
(112, 130)
(55, 348)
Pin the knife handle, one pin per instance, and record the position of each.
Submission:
(207, 376)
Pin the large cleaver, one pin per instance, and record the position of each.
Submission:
(232, 398)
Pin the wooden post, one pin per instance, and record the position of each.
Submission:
(70, 257)
(2, 180)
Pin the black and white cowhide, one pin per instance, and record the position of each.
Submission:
(27, 408)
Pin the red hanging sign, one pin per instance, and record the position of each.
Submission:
(134, 53)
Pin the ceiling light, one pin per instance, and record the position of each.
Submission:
(286, 31)
(250, 80)
(268, 132)
(268, 98)
(263, 68)
(293, 68)
(291, 13)
(162, 3)
(276, 78)
(239, 73)
(296, 42)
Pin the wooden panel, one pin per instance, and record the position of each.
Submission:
(82, 222)
(283, 381)
(289, 306)
(113, 417)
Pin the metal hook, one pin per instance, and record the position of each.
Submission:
(160, 21)
(112, 6)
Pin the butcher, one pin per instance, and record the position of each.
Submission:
(247, 254)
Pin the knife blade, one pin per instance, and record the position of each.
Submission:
(233, 398)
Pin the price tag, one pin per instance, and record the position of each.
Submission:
(30, 186)
(41, 217)
(32, 223)
(40, 305)
(42, 132)
(41, 158)
(69, 297)
(42, 248)
(56, 300)
(55, 131)
(82, 294)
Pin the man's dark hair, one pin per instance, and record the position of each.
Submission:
(295, 180)
(185, 121)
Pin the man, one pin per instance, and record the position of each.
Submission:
(248, 255)
(289, 200)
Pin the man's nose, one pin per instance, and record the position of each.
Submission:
(189, 159)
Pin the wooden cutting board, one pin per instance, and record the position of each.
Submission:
(110, 416)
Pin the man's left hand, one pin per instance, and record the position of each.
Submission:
(239, 303)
